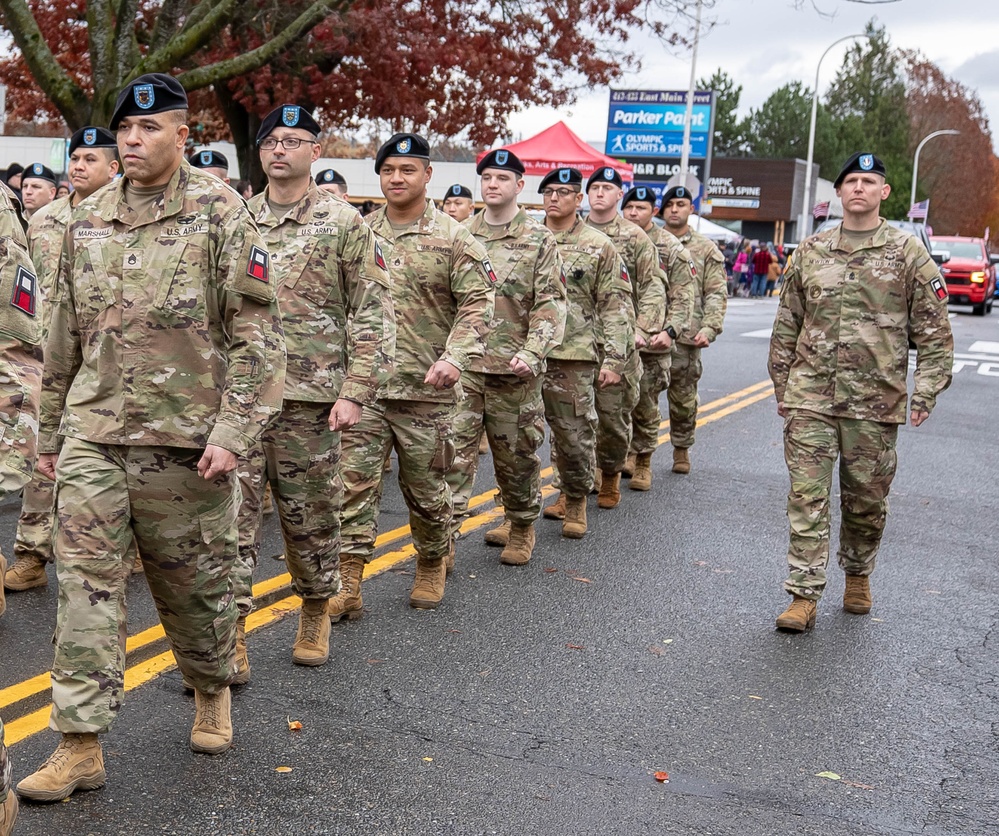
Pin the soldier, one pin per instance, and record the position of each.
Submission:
(853, 297)
(615, 404)
(443, 297)
(638, 206)
(211, 162)
(38, 188)
(165, 361)
(458, 203)
(333, 291)
(710, 302)
(332, 181)
(93, 163)
(502, 389)
(20, 383)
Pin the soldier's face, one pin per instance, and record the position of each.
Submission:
(36, 193)
(458, 208)
(639, 212)
(560, 207)
(90, 169)
(334, 188)
(500, 187)
(862, 192)
(676, 212)
(151, 147)
(283, 164)
(404, 180)
(604, 196)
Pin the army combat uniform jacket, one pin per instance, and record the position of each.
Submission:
(681, 278)
(442, 291)
(165, 328)
(711, 292)
(847, 311)
(333, 292)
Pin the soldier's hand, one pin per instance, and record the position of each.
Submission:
(47, 464)
(781, 411)
(660, 341)
(216, 461)
(640, 341)
(520, 368)
(344, 415)
(700, 341)
(917, 418)
(608, 378)
(442, 375)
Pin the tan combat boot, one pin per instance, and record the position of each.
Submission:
(798, 617)
(347, 603)
(857, 596)
(483, 444)
(312, 644)
(555, 511)
(629, 466)
(428, 587)
(137, 567)
(610, 490)
(26, 573)
(681, 460)
(574, 526)
(76, 764)
(212, 730)
(518, 551)
(500, 535)
(641, 479)
(8, 814)
(242, 660)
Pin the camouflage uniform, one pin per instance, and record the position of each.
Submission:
(599, 330)
(165, 337)
(838, 359)
(333, 292)
(615, 404)
(529, 323)
(443, 298)
(678, 268)
(710, 302)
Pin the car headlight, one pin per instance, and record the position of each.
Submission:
(978, 278)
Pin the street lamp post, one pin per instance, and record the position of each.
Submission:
(806, 209)
(915, 162)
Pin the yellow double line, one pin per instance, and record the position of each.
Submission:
(139, 674)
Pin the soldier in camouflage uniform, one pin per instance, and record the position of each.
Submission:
(638, 206)
(443, 296)
(333, 291)
(710, 302)
(458, 202)
(164, 363)
(93, 163)
(503, 388)
(20, 384)
(853, 297)
(615, 404)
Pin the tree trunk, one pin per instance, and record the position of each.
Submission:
(244, 126)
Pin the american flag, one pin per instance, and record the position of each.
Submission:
(919, 211)
(821, 210)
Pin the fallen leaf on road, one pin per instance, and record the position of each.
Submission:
(375, 661)
(667, 641)
(857, 784)
(662, 777)
(428, 760)
(832, 776)
(549, 570)
(574, 646)
(471, 576)
(282, 769)
(658, 651)
(294, 725)
(581, 580)
(455, 631)
(932, 591)
(754, 697)
(878, 620)
(700, 563)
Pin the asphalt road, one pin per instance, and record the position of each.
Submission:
(542, 700)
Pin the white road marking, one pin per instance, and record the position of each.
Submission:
(985, 347)
(763, 333)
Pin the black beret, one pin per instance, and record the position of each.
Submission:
(639, 194)
(605, 175)
(457, 190)
(14, 168)
(151, 93)
(501, 159)
(92, 138)
(209, 159)
(39, 172)
(677, 192)
(860, 161)
(403, 145)
(331, 175)
(289, 116)
(562, 177)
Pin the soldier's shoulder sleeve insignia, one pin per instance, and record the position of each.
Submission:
(662, 262)
(693, 269)
(25, 291)
(487, 267)
(624, 273)
(257, 266)
(938, 288)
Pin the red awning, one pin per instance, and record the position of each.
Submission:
(558, 147)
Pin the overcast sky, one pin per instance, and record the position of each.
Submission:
(763, 44)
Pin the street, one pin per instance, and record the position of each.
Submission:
(543, 699)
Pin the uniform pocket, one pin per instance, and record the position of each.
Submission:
(93, 287)
(181, 292)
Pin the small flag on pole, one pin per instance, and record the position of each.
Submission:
(919, 211)
(821, 210)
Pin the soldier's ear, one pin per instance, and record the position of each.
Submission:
(885, 191)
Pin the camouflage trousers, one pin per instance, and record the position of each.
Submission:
(4, 767)
(421, 434)
(512, 412)
(34, 527)
(646, 416)
(615, 405)
(682, 396)
(300, 457)
(866, 453)
(185, 529)
(568, 391)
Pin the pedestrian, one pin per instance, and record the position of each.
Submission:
(442, 289)
(332, 181)
(333, 292)
(761, 261)
(773, 269)
(165, 361)
(458, 202)
(853, 297)
(502, 389)
(12, 177)
(63, 190)
(710, 303)
(742, 268)
(244, 188)
(38, 188)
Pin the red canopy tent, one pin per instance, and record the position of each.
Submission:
(558, 146)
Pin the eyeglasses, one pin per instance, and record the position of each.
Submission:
(289, 143)
(547, 194)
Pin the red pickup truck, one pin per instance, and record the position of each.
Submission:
(969, 273)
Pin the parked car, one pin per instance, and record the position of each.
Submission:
(969, 273)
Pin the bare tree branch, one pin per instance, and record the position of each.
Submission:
(168, 21)
(186, 42)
